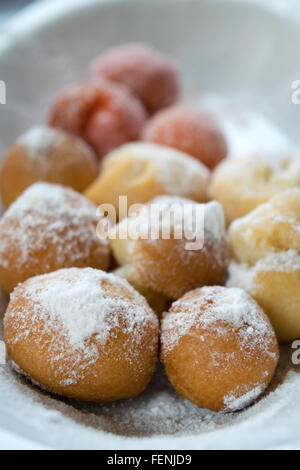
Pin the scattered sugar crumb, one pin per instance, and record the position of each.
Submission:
(234, 401)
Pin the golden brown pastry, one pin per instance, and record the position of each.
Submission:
(241, 184)
(163, 256)
(218, 348)
(266, 246)
(45, 154)
(82, 333)
(142, 171)
(47, 228)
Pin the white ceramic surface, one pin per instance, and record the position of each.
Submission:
(244, 50)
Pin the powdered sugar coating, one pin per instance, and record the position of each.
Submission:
(46, 154)
(214, 220)
(42, 139)
(178, 173)
(49, 212)
(224, 311)
(234, 401)
(81, 310)
(269, 236)
(177, 216)
(242, 274)
(49, 227)
(274, 281)
(242, 184)
(38, 139)
(273, 212)
(218, 347)
(142, 171)
(173, 245)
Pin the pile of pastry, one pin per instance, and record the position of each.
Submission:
(90, 313)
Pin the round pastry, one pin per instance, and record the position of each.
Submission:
(142, 171)
(47, 228)
(150, 75)
(241, 184)
(266, 245)
(45, 154)
(103, 114)
(190, 130)
(270, 228)
(218, 348)
(82, 333)
(274, 282)
(172, 246)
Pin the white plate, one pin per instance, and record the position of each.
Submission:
(246, 52)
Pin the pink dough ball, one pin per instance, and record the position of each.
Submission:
(104, 114)
(150, 75)
(190, 130)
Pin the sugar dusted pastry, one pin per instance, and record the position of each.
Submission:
(266, 246)
(104, 114)
(47, 228)
(82, 333)
(241, 184)
(218, 348)
(143, 170)
(151, 76)
(45, 154)
(157, 301)
(190, 130)
(178, 261)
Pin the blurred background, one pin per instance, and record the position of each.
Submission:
(9, 7)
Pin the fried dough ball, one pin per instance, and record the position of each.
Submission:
(274, 282)
(241, 184)
(45, 154)
(158, 302)
(142, 171)
(218, 348)
(103, 114)
(172, 246)
(82, 333)
(190, 130)
(151, 76)
(47, 228)
(270, 228)
(266, 246)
